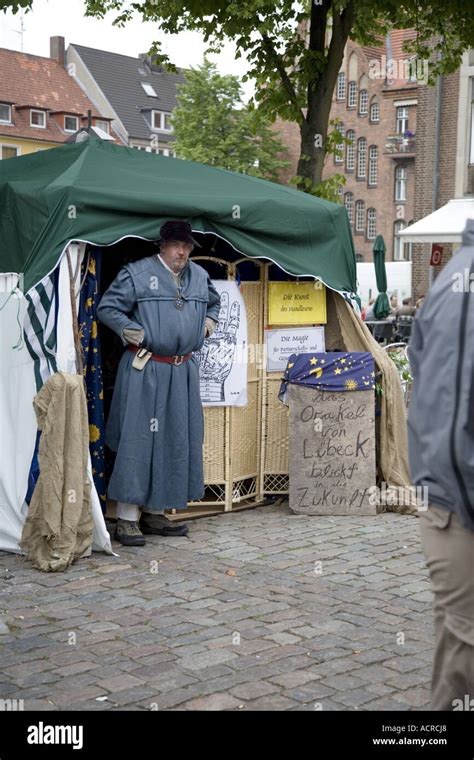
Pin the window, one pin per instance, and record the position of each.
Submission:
(375, 111)
(38, 118)
(363, 102)
(350, 150)
(9, 151)
(371, 224)
(160, 151)
(361, 157)
(412, 69)
(104, 125)
(373, 154)
(349, 204)
(401, 250)
(149, 89)
(161, 120)
(471, 157)
(71, 123)
(359, 258)
(352, 95)
(341, 86)
(400, 183)
(5, 113)
(339, 159)
(360, 216)
(402, 119)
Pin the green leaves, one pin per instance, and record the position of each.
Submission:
(212, 125)
(291, 61)
(327, 188)
(15, 5)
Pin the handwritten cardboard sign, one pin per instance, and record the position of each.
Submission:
(332, 452)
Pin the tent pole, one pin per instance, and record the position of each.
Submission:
(75, 329)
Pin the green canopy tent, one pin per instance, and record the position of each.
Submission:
(100, 193)
(56, 201)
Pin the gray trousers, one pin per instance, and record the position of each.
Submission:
(449, 554)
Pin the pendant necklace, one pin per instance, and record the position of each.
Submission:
(178, 299)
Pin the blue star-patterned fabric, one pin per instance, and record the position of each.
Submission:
(90, 342)
(332, 371)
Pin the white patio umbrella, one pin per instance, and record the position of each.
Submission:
(445, 225)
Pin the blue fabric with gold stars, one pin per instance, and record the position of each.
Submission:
(333, 371)
(93, 367)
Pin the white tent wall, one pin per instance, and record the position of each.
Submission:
(398, 280)
(17, 390)
(18, 419)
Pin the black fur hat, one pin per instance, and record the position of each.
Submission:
(177, 229)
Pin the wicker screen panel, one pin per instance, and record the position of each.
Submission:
(245, 434)
(252, 294)
(276, 429)
(214, 444)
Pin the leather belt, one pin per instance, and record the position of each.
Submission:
(176, 360)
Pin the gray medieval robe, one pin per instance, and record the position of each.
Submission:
(156, 424)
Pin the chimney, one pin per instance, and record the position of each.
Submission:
(57, 50)
(149, 60)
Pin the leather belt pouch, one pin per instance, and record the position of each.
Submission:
(141, 358)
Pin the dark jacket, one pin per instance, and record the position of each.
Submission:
(441, 413)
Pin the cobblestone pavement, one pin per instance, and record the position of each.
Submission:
(257, 610)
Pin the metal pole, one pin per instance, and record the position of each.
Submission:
(434, 201)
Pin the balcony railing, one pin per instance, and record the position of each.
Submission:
(400, 144)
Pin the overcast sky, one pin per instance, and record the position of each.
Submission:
(66, 18)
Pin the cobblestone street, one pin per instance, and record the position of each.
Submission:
(257, 610)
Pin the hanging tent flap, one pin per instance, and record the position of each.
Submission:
(101, 192)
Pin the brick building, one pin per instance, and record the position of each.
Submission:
(449, 104)
(376, 104)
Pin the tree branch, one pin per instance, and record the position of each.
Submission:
(287, 83)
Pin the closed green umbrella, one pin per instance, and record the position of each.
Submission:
(381, 306)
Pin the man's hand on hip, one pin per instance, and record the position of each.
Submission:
(135, 337)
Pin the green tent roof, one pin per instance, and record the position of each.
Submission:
(101, 192)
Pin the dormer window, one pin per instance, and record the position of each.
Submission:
(71, 123)
(38, 118)
(161, 120)
(5, 113)
(103, 125)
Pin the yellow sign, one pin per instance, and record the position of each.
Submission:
(297, 303)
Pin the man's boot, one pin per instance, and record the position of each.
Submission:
(129, 534)
(161, 526)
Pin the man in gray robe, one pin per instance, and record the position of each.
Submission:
(167, 305)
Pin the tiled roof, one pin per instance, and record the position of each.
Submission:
(394, 51)
(37, 82)
(119, 78)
